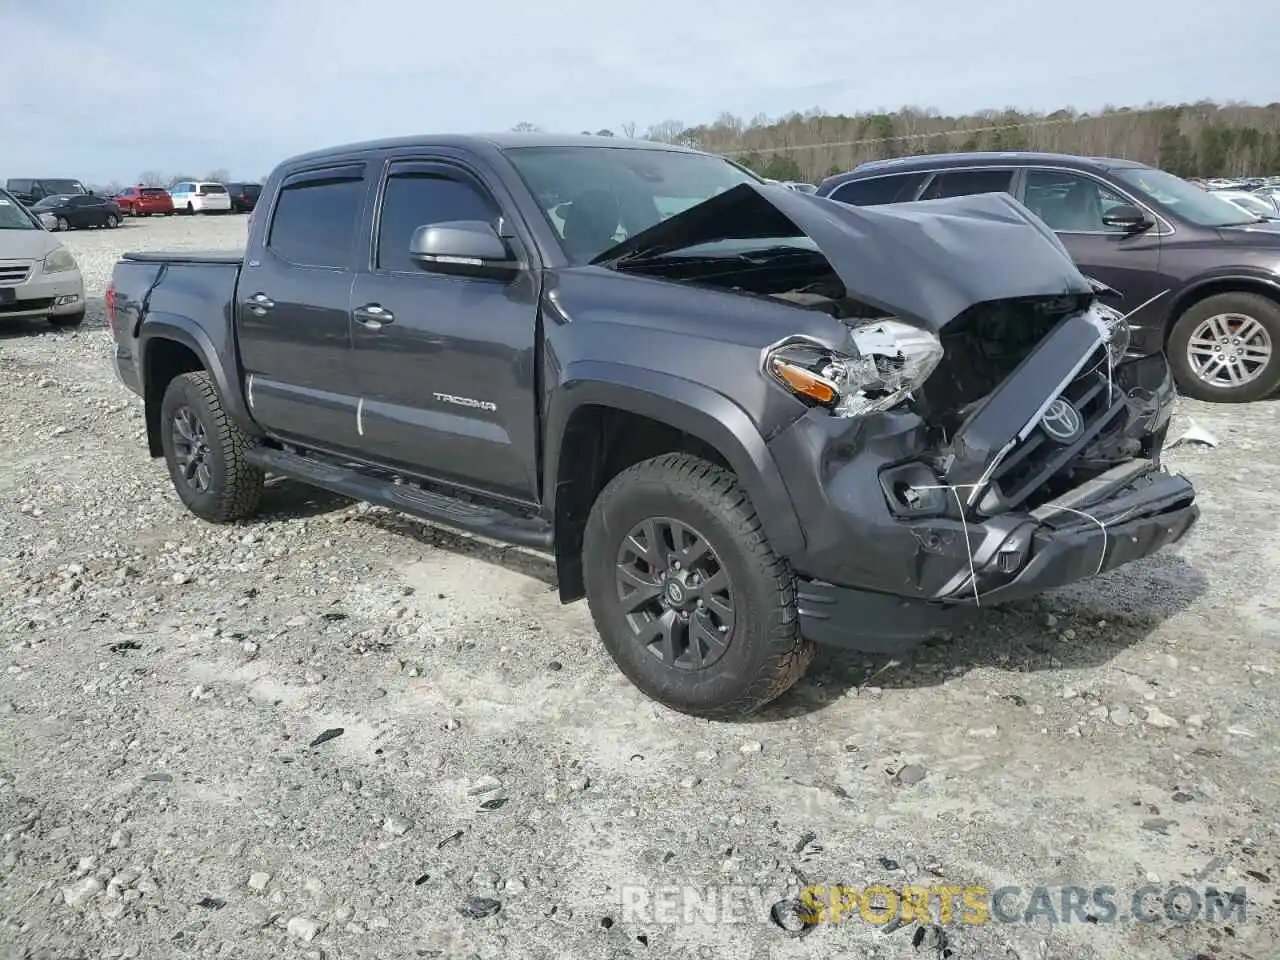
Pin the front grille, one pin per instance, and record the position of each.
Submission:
(12, 274)
(1039, 468)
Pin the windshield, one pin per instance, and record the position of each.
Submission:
(596, 197)
(153, 192)
(63, 186)
(1183, 199)
(209, 188)
(48, 202)
(12, 216)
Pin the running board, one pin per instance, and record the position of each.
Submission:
(486, 521)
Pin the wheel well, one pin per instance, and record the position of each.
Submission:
(1212, 289)
(166, 359)
(599, 443)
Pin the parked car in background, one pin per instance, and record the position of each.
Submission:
(29, 190)
(1197, 275)
(143, 201)
(200, 196)
(76, 211)
(38, 275)
(1250, 203)
(800, 186)
(244, 196)
(1271, 195)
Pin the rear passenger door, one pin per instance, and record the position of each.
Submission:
(446, 363)
(1072, 203)
(294, 298)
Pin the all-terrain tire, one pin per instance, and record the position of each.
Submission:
(765, 654)
(1251, 305)
(235, 485)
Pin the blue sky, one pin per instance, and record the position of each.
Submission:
(103, 91)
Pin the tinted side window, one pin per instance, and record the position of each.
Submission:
(414, 198)
(963, 183)
(866, 193)
(1070, 202)
(315, 220)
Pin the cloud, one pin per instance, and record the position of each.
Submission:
(103, 91)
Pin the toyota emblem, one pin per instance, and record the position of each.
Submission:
(1062, 422)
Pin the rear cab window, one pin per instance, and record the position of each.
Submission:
(316, 216)
(216, 188)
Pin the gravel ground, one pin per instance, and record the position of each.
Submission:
(163, 793)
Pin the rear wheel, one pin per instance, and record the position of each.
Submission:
(112, 221)
(688, 597)
(190, 208)
(1223, 349)
(62, 223)
(205, 452)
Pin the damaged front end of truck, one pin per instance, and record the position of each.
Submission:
(978, 429)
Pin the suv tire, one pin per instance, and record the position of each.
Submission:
(1214, 318)
(665, 636)
(205, 452)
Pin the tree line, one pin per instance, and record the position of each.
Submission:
(1204, 139)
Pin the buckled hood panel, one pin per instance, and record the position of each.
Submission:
(928, 260)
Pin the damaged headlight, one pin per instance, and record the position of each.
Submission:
(887, 360)
(1114, 327)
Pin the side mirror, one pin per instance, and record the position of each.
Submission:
(1128, 218)
(470, 248)
(48, 221)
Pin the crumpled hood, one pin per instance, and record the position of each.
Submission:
(26, 244)
(929, 260)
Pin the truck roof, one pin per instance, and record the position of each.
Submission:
(500, 141)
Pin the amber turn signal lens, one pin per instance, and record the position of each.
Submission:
(804, 382)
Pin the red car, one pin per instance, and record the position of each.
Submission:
(144, 201)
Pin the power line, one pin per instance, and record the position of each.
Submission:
(1018, 125)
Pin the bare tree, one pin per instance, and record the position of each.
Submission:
(152, 178)
(524, 126)
(629, 130)
(221, 175)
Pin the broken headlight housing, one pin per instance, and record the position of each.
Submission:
(1114, 327)
(887, 360)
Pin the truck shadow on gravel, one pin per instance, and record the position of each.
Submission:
(1077, 628)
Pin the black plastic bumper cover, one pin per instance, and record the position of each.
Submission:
(1055, 549)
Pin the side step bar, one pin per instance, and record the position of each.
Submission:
(486, 521)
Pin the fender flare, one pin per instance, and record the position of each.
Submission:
(183, 330)
(687, 406)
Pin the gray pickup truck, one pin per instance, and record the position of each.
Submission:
(742, 418)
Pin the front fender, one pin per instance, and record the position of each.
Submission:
(687, 406)
(220, 363)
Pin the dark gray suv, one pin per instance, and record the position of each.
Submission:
(1197, 275)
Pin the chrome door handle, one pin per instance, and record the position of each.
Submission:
(373, 315)
(259, 304)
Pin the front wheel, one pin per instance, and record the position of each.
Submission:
(62, 223)
(1223, 349)
(65, 320)
(205, 452)
(112, 221)
(688, 597)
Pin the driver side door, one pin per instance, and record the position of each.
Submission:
(1072, 204)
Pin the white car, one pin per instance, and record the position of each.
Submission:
(38, 275)
(1249, 202)
(200, 196)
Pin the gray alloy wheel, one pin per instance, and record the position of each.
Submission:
(1229, 350)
